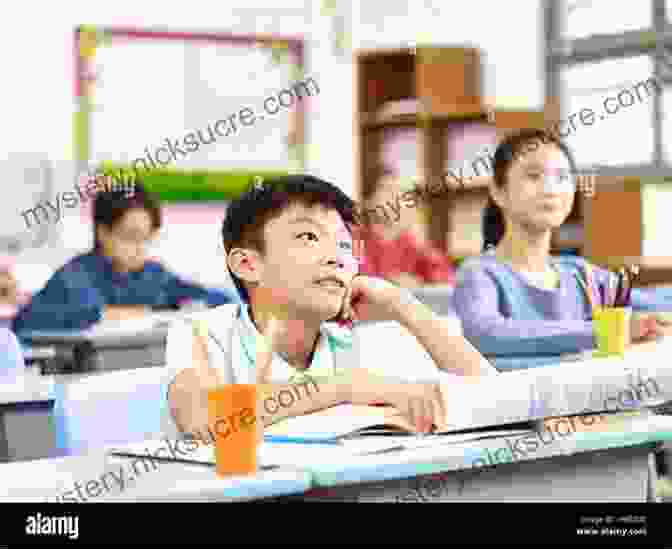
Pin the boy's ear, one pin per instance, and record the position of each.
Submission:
(245, 264)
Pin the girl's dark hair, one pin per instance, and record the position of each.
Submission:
(508, 151)
(110, 206)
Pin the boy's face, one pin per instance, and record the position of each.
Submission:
(126, 243)
(309, 261)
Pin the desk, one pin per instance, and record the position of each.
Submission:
(33, 355)
(586, 467)
(49, 480)
(107, 381)
(104, 408)
(26, 420)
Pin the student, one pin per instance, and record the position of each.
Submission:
(115, 280)
(517, 299)
(290, 253)
(11, 358)
(11, 298)
(392, 251)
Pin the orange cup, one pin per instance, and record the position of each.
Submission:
(232, 421)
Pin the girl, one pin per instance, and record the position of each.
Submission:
(11, 298)
(115, 280)
(393, 249)
(516, 299)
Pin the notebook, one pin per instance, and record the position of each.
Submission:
(298, 454)
(641, 379)
(354, 421)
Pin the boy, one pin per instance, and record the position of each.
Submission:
(289, 247)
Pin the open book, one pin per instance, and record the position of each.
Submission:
(641, 379)
(340, 421)
(345, 421)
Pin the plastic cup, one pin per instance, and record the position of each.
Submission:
(232, 421)
(612, 330)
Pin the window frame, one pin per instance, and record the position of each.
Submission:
(562, 53)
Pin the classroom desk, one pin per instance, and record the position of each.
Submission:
(106, 380)
(586, 467)
(49, 480)
(26, 419)
(38, 355)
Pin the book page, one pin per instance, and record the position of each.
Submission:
(334, 422)
(639, 379)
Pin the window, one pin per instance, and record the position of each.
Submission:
(656, 205)
(583, 18)
(620, 92)
(668, 5)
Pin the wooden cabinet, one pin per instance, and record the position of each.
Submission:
(627, 222)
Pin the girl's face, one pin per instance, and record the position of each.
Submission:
(126, 242)
(539, 190)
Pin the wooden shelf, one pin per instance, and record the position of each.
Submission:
(654, 270)
(461, 114)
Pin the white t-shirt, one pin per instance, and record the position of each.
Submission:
(231, 351)
(384, 348)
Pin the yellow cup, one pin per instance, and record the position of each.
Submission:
(232, 421)
(612, 330)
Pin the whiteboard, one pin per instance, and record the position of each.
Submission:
(148, 91)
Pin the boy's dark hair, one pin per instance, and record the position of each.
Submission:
(248, 214)
(508, 151)
(110, 206)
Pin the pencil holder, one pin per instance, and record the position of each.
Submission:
(612, 330)
(232, 420)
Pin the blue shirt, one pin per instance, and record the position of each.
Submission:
(503, 314)
(75, 296)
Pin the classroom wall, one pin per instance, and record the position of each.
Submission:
(37, 104)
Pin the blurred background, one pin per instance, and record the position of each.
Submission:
(376, 96)
(404, 92)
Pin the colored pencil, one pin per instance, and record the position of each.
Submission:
(618, 293)
(583, 285)
(633, 271)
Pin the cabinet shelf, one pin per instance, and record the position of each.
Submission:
(461, 114)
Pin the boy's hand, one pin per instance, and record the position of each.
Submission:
(420, 403)
(375, 299)
(646, 327)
